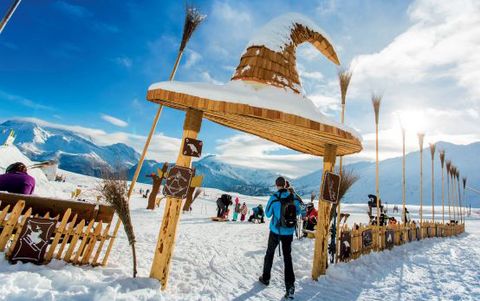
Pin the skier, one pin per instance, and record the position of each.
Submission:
(311, 218)
(243, 211)
(17, 180)
(227, 201)
(257, 214)
(282, 207)
(236, 210)
(220, 207)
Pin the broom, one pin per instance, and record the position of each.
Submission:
(114, 190)
(193, 18)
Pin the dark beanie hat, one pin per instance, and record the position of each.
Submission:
(280, 182)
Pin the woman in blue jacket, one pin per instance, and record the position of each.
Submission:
(280, 233)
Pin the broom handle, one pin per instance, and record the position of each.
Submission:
(152, 131)
(140, 162)
(9, 14)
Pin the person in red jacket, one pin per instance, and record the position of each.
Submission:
(311, 217)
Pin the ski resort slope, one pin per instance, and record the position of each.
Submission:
(222, 261)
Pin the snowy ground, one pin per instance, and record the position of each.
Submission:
(222, 261)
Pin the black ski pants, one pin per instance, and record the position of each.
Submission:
(273, 241)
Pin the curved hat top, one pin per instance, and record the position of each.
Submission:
(270, 55)
(264, 96)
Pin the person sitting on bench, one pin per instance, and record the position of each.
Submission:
(16, 179)
(257, 214)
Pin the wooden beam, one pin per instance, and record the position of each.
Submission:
(320, 256)
(166, 237)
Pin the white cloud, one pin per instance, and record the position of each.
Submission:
(433, 67)
(253, 152)
(192, 58)
(162, 148)
(20, 100)
(124, 61)
(205, 75)
(114, 120)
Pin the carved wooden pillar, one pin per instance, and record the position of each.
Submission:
(320, 255)
(166, 236)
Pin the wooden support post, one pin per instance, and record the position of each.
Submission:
(320, 255)
(166, 236)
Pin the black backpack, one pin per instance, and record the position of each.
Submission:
(288, 211)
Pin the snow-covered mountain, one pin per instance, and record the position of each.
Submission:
(465, 157)
(220, 175)
(81, 155)
(74, 152)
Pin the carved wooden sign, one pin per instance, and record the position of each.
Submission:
(345, 245)
(331, 186)
(389, 239)
(178, 182)
(192, 147)
(33, 240)
(367, 238)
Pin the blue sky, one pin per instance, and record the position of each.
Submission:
(87, 65)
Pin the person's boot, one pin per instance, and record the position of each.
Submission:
(263, 281)
(290, 294)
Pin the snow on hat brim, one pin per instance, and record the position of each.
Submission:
(269, 112)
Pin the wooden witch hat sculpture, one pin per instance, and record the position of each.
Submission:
(264, 96)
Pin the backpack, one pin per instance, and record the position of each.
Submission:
(288, 212)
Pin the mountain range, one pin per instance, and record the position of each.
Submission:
(80, 154)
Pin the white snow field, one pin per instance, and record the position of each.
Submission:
(222, 261)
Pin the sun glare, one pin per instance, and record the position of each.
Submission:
(413, 121)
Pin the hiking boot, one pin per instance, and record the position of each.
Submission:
(290, 293)
(263, 281)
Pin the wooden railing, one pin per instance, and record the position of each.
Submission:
(81, 229)
(356, 242)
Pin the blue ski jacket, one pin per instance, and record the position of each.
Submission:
(273, 211)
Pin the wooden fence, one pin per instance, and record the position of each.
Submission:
(357, 242)
(81, 232)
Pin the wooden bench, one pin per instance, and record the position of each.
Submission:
(81, 229)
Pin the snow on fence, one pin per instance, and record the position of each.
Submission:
(362, 240)
(81, 230)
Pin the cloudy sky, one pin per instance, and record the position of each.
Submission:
(86, 65)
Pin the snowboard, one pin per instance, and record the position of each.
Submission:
(218, 219)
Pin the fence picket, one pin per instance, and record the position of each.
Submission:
(58, 234)
(10, 224)
(67, 233)
(73, 243)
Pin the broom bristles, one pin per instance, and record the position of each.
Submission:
(421, 136)
(376, 102)
(464, 180)
(448, 164)
(432, 149)
(193, 18)
(344, 77)
(196, 194)
(442, 157)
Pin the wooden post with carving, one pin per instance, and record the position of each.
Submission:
(166, 237)
(157, 182)
(320, 255)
